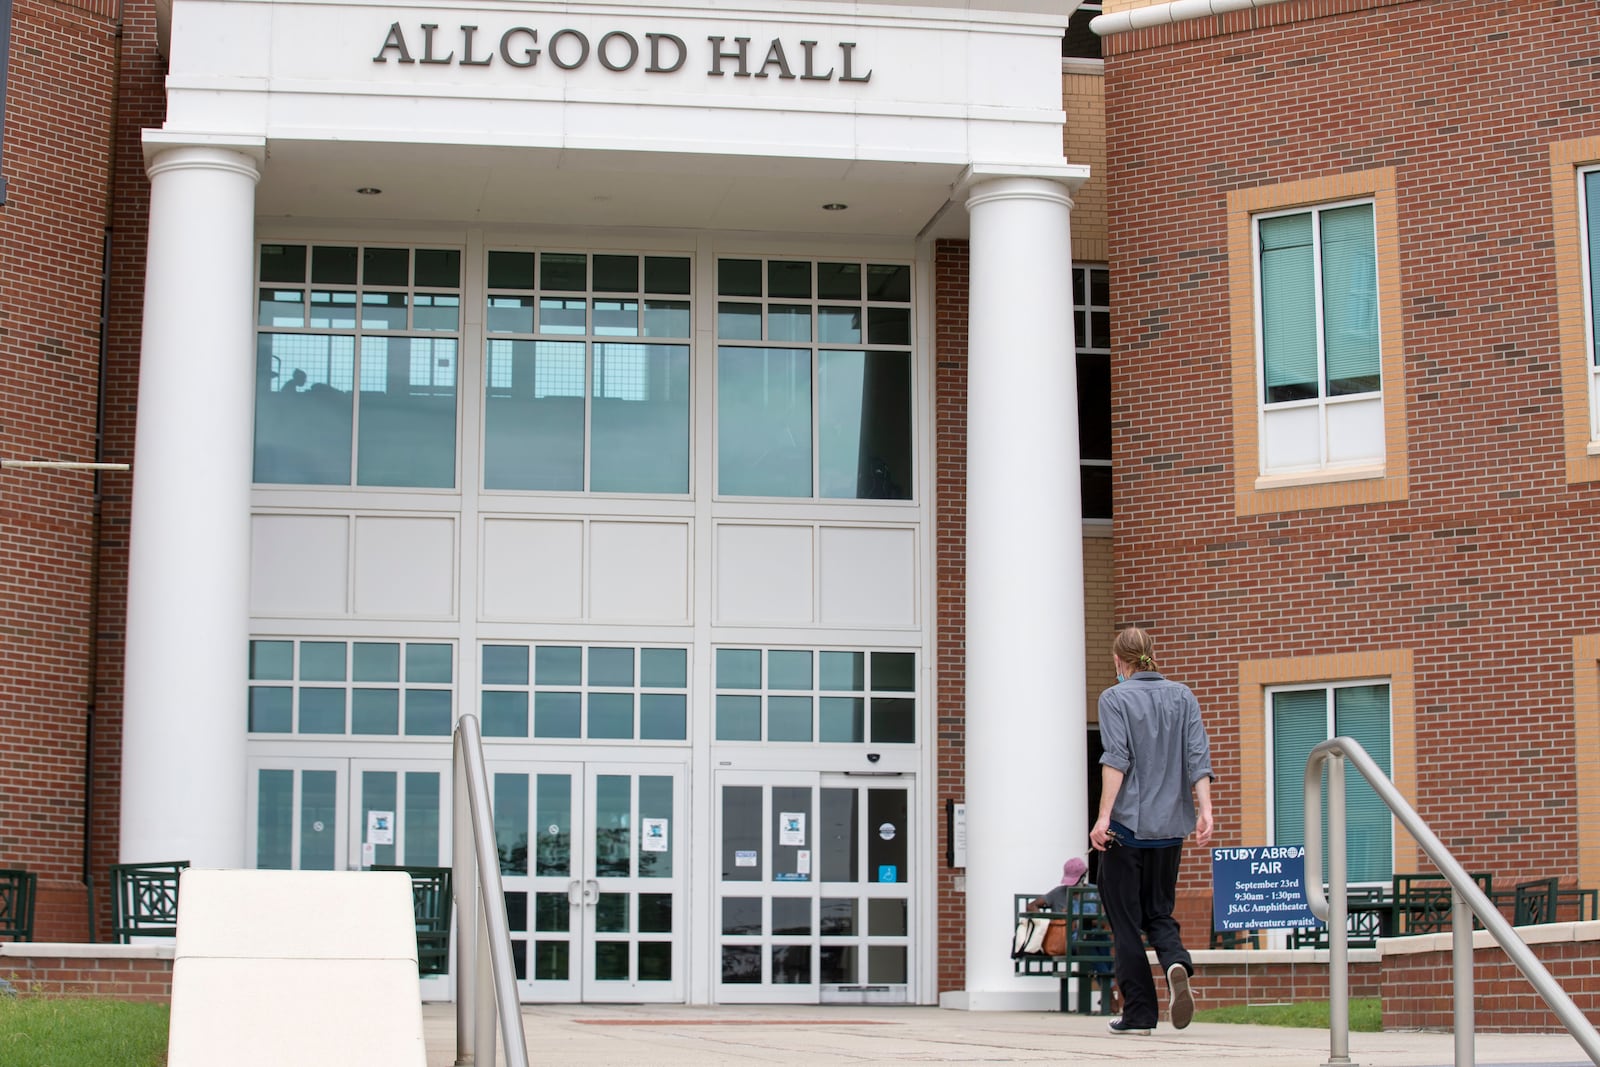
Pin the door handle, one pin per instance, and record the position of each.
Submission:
(573, 898)
(591, 892)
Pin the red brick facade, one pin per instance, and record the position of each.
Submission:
(1485, 570)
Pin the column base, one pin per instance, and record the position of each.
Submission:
(1048, 999)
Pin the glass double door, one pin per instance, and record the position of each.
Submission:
(590, 858)
(814, 888)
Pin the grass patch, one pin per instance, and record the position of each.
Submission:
(1366, 1016)
(77, 1032)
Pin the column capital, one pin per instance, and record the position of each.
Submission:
(982, 181)
(243, 155)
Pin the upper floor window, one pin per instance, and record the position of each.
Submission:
(5, 75)
(357, 351)
(814, 393)
(586, 377)
(801, 695)
(1091, 310)
(1320, 357)
(1591, 292)
(371, 689)
(1302, 718)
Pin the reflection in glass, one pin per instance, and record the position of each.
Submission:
(407, 431)
(552, 913)
(534, 415)
(385, 266)
(664, 667)
(789, 322)
(791, 964)
(377, 794)
(655, 961)
(438, 268)
(640, 407)
(841, 719)
(894, 672)
(611, 961)
(517, 910)
(505, 714)
(558, 665)
(505, 664)
(764, 421)
(318, 810)
(864, 434)
(655, 803)
(553, 848)
(836, 836)
(666, 318)
(610, 715)
(791, 916)
(741, 916)
(304, 412)
(271, 660)
(274, 820)
(510, 314)
(838, 917)
(666, 274)
(788, 718)
(428, 663)
(741, 833)
(789, 278)
(738, 322)
(655, 913)
(271, 710)
(283, 263)
(741, 964)
(375, 712)
(616, 274)
(383, 311)
(375, 661)
(436, 311)
(611, 913)
(894, 720)
(321, 711)
(843, 670)
(557, 715)
(333, 309)
(566, 271)
(839, 281)
(738, 277)
(280, 307)
(888, 281)
(613, 832)
(663, 717)
(839, 326)
(787, 802)
(616, 318)
(838, 964)
(788, 669)
(421, 818)
(738, 668)
(428, 712)
(888, 326)
(611, 666)
(563, 315)
(334, 264)
(738, 718)
(322, 661)
(550, 961)
(511, 822)
(511, 270)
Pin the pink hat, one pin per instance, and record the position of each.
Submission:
(1073, 870)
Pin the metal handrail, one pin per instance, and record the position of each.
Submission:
(1466, 900)
(482, 928)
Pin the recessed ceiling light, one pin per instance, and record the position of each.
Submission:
(368, 190)
(834, 207)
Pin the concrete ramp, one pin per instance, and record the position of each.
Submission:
(295, 967)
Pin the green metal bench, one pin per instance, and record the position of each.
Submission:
(17, 888)
(144, 899)
(1088, 957)
(431, 904)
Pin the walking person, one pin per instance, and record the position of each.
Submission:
(1155, 789)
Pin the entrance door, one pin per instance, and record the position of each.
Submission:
(593, 878)
(814, 893)
(298, 814)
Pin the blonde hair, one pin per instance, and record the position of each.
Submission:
(1136, 648)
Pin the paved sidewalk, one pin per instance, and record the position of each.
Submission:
(650, 1035)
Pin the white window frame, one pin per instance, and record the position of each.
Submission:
(1349, 429)
(1327, 689)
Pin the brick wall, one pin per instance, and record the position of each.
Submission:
(118, 972)
(57, 163)
(1485, 572)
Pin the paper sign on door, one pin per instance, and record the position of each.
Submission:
(653, 835)
(792, 828)
(380, 827)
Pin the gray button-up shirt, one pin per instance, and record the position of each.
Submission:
(1152, 733)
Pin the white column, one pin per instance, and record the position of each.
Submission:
(183, 747)
(1025, 743)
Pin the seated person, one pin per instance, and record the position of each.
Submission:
(1080, 907)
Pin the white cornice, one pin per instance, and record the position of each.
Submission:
(1165, 14)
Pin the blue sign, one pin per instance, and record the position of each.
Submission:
(1260, 888)
(888, 872)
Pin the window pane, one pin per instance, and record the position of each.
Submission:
(738, 277)
(557, 665)
(838, 917)
(894, 720)
(510, 314)
(888, 326)
(563, 271)
(890, 282)
(613, 830)
(271, 710)
(789, 322)
(428, 663)
(1350, 299)
(1299, 724)
(666, 274)
(557, 714)
(505, 665)
(375, 712)
(611, 666)
(407, 433)
(1094, 407)
(271, 660)
(837, 829)
(864, 440)
(428, 712)
(641, 419)
(616, 318)
(422, 818)
(791, 916)
(841, 719)
(375, 662)
(789, 802)
(843, 670)
(554, 853)
(616, 274)
(741, 833)
(666, 318)
(1288, 308)
(738, 322)
(764, 422)
(738, 718)
(788, 718)
(511, 821)
(386, 266)
(839, 326)
(738, 668)
(322, 661)
(655, 805)
(436, 311)
(511, 270)
(321, 711)
(438, 268)
(378, 793)
(505, 714)
(318, 810)
(839, 281)
(610, 715)
(665, 667)
(303, 409)
(283, 263)
(1362, 712)
(789, 278)
(533, 415)
(275, 820)
(334, 265)
(741, 916)
(887, 836)
(788, 669)
(663, 717)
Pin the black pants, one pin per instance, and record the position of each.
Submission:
(1138, 887)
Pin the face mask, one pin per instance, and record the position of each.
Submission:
(1120, 678)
